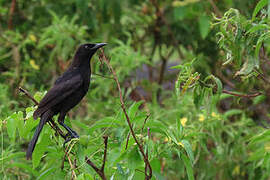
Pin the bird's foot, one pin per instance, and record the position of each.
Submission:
(70, 136)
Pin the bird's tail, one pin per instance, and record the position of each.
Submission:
(44, 118)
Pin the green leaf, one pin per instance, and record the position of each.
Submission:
(155, 164)
(217, 81)
(258, 7)
(259, 99)
(20, 123)
(188, 166)
(180, 13)
(85, 176)
(133, 109)
(38, 95)
(248, 66)
(188, 149)
(23, 166)
(47, 172)
(232, 112)
(197, 96)
(10, 156)
(179, 66)
(204, 26)
(40, 148)
(262, 137)
(261, 39)
(134, 159)
(104, 123)
(11, 126)
(257, 27)
(219, 84)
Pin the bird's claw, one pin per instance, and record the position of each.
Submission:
(70, 136)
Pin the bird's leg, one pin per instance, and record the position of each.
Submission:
(70, 133)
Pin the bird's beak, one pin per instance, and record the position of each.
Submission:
(99, 45)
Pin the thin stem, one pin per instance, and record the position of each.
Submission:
(241, 95)
(11, 14)
(100, 171)
(146, 161)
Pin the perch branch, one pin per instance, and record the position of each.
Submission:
(51, 122)
(58, 130)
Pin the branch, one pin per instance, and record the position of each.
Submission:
(216, 10)
(164, 60)
(241, 95)
(233, 93)
(100, 171)
(28, 95)
(73, 174)
(11, 13)
(51, 122)
(145, 158)
(58, 130)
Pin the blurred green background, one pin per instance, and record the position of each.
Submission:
(198, 69)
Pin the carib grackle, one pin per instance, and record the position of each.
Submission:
(67, 92)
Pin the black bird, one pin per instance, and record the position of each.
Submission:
(67, 92)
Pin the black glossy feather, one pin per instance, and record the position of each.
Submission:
(67, 92)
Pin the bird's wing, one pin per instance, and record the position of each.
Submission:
(58, 93)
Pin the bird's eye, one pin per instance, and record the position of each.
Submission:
(86, 47)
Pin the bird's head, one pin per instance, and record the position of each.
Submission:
(85, 52)
(89, 49)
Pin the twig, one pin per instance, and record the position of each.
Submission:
(146, 161)
(139, 171)
(216, 10)
(102, 76)
(147, 116)
(241, 95)
(57, 129)
(127, 140)
(11, 13)
(150, 67)
(100, 171)
(233, 93)
(66, 154)
(223, 78)
(28, 95)
(162, 69)
(105, 152)
(148, 134)
(71, 165)
(51, 122)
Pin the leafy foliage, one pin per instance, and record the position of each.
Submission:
(194, 76)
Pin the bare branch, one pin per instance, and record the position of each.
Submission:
(105, 152)
(146, 161)
(242, 95)
(148, 115)
(233, 93)
(11, 14)
(28, 95)
(100, 171)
